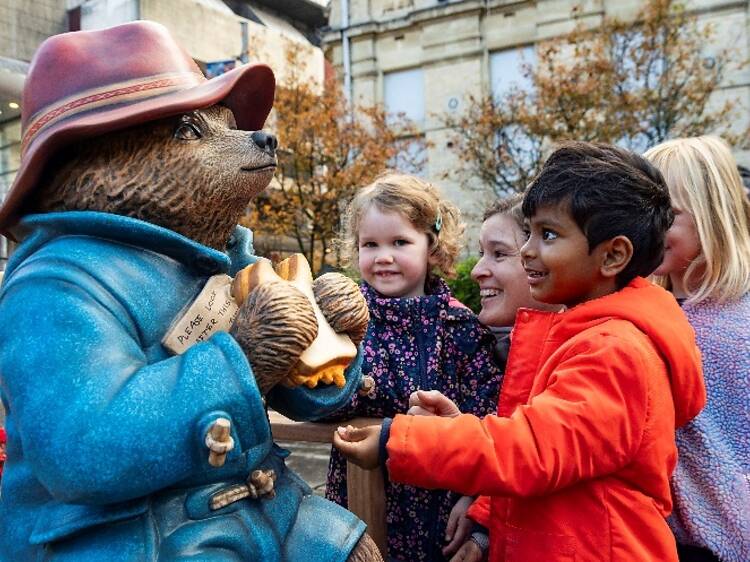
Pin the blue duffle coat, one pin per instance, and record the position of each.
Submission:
(106, 428)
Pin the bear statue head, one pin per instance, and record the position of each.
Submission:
(140, 132)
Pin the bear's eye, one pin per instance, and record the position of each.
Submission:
(187, 131)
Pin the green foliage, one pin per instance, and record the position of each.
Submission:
(463, 287)
(352, 273)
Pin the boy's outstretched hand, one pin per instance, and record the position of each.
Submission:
(432, 403)
(360, 445)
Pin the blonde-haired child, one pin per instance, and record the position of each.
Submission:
(402, 235)
(707, 267)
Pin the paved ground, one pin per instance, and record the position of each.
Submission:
(310, 461)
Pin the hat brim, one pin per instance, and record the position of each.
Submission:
(248, 91)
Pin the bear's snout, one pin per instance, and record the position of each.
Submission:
(267, 143)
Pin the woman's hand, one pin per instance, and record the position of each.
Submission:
(459, 526)
(432, 403)
(359, 445)
(469, 552)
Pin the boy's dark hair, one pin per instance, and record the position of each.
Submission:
(610, 192)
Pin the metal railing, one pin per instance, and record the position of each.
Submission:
(364, 488)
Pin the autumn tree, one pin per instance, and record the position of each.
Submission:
(327, 149)
(633, 83)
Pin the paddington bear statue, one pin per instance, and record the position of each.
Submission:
(135, 171)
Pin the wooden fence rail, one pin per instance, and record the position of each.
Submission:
(364, 487)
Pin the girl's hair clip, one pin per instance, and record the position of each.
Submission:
(438, 221)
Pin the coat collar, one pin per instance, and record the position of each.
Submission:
(38, 229)
(650, 309)
(399, 309)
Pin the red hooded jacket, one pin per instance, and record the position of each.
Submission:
(577, 461)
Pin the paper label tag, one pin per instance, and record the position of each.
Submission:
(214, 310)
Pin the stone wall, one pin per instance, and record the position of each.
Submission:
(209, 34)
(24, 24)
(453, 40)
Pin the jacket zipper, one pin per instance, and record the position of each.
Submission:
(422, 376)
(433, 535)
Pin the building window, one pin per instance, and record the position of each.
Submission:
(507, 70)
(508, 73)
(404, 94)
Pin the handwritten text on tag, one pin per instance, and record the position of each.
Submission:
(212, 311)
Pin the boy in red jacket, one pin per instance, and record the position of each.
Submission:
(577, 462)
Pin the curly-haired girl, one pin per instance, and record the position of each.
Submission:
(402, 236)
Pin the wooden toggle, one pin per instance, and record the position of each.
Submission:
(219, 438)
(260, 484)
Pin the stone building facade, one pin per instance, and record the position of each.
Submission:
(423, 57)
(212, 31)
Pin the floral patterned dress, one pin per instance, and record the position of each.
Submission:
(429, 342)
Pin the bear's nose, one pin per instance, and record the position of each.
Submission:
(264, 141)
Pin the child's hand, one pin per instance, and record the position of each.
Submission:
(469, 552)
(459, 526)
(432, 403)
(360, 445)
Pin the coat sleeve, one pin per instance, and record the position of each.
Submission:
(479, 511)
(100, 418)
(316, 404)
(588, 422)
(353, 408)
(381, 401)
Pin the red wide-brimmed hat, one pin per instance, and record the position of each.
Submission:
(87, 83)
